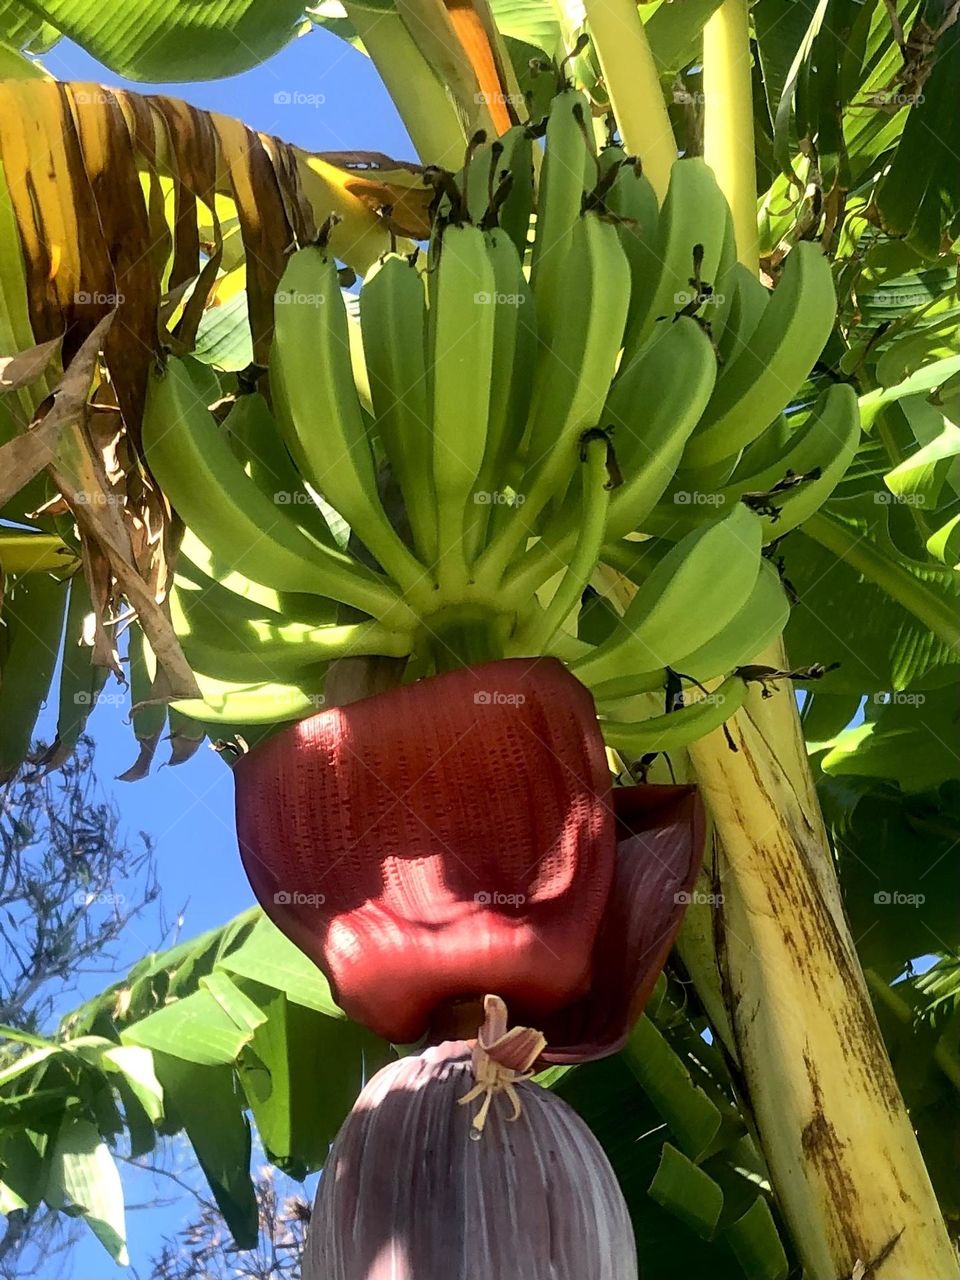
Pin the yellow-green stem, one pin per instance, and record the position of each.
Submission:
(417, 92)
(633, 83)
(728, 140)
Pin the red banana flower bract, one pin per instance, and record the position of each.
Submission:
(457, 836)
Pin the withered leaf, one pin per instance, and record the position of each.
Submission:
(26, 455)
(27, 366)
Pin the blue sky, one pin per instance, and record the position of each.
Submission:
(337, 103)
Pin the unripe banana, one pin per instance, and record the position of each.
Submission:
(825, 443)
(677, 729)
(231, 647)
(773, 365)
(693, 593)
(393, 320)
(463, 336)
(256, 441)
(594, 505)
(318, 410)
(839, 416)
(228, 702)
(761, 620)
(652, 407)
(822, 448)
(511, 153)
(694, 213)
(514, 354)
(243, 530)
(195, 556)
(22, 552)
(574, 372)
(633, 200)
(748, 302)
(568, 170)
(571, 379)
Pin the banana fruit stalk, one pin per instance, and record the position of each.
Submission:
(815, 1071)
(516, 412)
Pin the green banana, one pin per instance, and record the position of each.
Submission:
(653, 406)
(571, 379)
(633, 200)
(243, 529)
(748, 302)
(23, 552)
(255, 438)
(594, 504)
(318, 410)
(574, 373)
(463, 346)
(773, 365)
(826, 443)
(761, 620)
(822, 447)
(694, 213)
(677, 729)
(197, 556)
(250, 602)
(511, 153)
(767, 452)
(228, 702)
(393, 318)
(514, 353)
(651, 409)
(692, 594)
(266, 648)
(568, 170)
(33, 613)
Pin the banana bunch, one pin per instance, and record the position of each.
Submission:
(440, 480)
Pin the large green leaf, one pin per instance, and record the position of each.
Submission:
(236, 1020)
(909, 737)
(863, 603)
(21, 29)
(223, 338)
(84, 1178)
(897, 859)
(920, 195)
(674, 32)
(674, 1203)
(301, 1075)
(205, 1101)
(530, 22)
(266, 956)
(196, 1029)
(169, 40)
(920, 1019)
(921, 477)
(780, 27)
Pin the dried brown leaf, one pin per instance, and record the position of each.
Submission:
(27, 366)
(26, 455)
